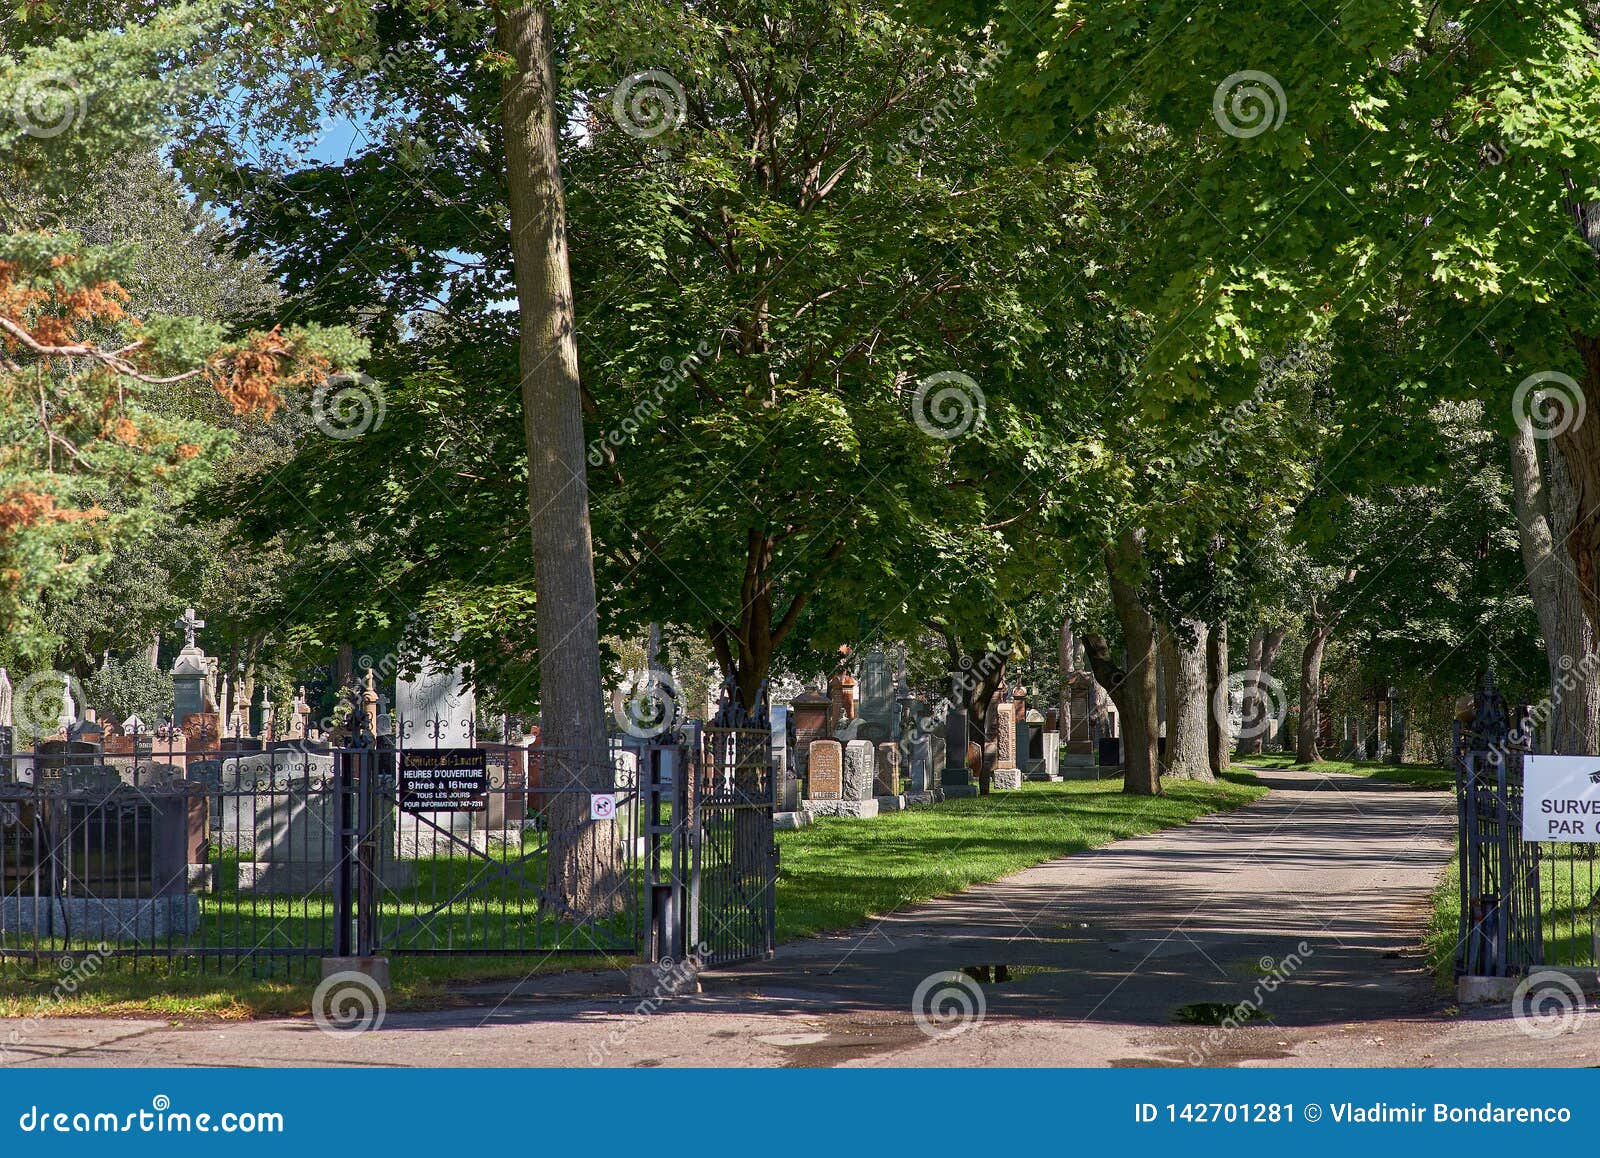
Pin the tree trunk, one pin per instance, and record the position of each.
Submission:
(1270, 646)
(1167, 650)
(584, 862)
(1218, 729)
(1310, 691)
(1187, 732)
(1250, 741)
(1133, 687)
(986, 677)
(1544, 515)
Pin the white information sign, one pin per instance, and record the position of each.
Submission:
(602, 806)
(1561, 799)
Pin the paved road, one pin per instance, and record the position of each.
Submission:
(1308, 904)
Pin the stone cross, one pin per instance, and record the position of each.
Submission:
(190, 625)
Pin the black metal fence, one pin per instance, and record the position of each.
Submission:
(268, 857)
(1524, 904)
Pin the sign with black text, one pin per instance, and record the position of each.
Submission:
(444, 780)
(1561, 799)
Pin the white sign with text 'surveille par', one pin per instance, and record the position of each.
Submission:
(1561, 798)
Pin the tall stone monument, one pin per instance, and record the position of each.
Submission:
(189, 672)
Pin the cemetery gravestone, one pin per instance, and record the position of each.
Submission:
(859, 768)
(879, 713)
(826, 781)
(1006, 773)
(810, 714)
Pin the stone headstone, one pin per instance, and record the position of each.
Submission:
(809, 710)
(825, 780)
(1033, 730)
(859, 769)
(434, 710)
(1006, 772)
(786, 784)
(879, 712)
(955, 778)
(886, 781)
(1052, 755)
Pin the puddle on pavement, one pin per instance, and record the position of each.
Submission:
(1005, 974)
(1217, 1012)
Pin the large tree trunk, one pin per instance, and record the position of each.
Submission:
(1218, 730)
(1133, 687)
(1187, 755)
(584, 860)
(1310, 692)
(1544, 515)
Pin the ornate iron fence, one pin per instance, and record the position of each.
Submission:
(1524, 904)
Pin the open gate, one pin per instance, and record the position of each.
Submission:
(713, 863)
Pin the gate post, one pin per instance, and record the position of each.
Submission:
(343, 893)
(664, 932)
(366, 850)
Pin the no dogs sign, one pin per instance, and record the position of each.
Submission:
(1561, 799)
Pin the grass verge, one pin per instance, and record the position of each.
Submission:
(1429, 776)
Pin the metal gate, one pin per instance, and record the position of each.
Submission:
(713, 860)
(1524, 904)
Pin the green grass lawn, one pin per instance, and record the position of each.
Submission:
(1430, 776)
(837, 873)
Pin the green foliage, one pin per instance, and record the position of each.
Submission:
(130, 687)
